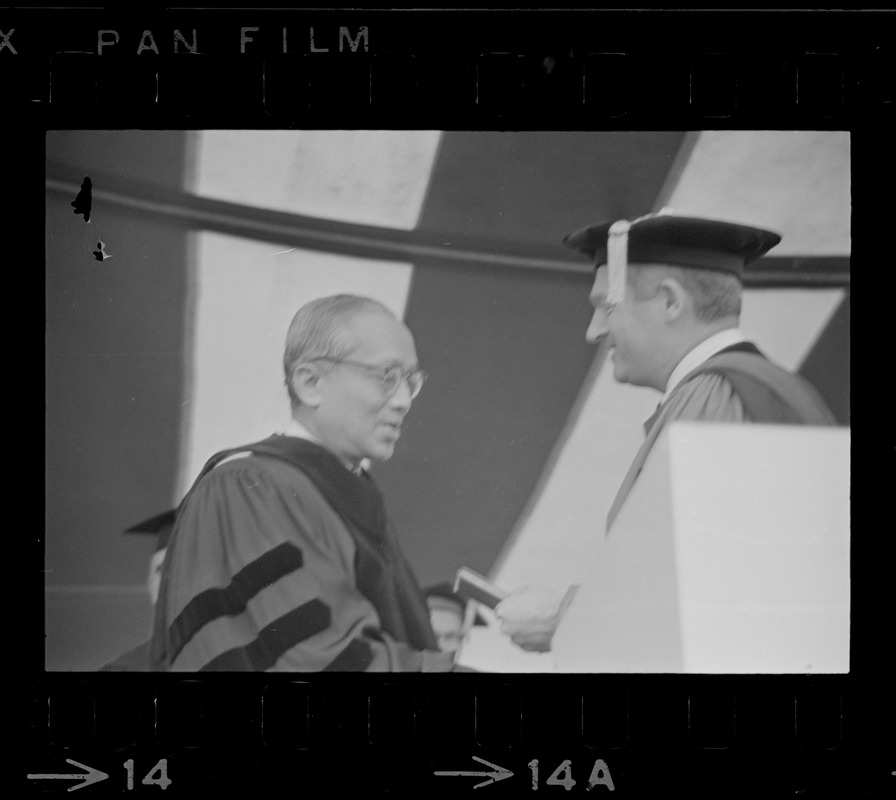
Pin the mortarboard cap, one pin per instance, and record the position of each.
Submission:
(160, 525)
(666, 238)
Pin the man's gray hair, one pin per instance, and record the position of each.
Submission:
(319, 330)
(716, 294)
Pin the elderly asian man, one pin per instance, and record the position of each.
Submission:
(283, 556)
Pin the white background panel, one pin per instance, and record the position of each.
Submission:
(245, 295)
(368, 177)
(796, 183)
(723, 563)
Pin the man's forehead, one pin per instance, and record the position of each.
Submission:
(380, 335)
(601, 275)
(373, 317)
(599, 286)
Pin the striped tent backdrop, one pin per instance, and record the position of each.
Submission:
(509, 459)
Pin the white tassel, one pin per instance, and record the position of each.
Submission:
(617, 261)
(617, 256)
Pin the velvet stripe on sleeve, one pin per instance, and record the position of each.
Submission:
(261, 575)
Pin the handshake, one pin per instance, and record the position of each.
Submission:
(529, 614)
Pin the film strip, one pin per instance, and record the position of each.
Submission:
(378, 67)
(628, 735)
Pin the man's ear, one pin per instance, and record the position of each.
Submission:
(305, 383)
(674, 298)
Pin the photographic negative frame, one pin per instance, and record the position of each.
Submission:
(87, 82)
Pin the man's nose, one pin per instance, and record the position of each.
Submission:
(597, 329)
(401, 398)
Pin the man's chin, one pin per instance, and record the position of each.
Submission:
(383, 451)
(626, 377)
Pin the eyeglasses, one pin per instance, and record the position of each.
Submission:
(391, 377)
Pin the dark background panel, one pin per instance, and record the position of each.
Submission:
(826, 366)
(506, 347)
(114, 362)
(538, 186)
(507, 357)
(114, 369)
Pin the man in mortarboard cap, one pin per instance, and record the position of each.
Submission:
(160, 525)
(667, 300)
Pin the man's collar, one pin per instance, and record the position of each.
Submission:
(707, 348)
(296, 428)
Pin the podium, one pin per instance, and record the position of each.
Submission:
(730, 556)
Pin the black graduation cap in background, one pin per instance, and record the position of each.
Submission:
(444, 591)
(161, 525)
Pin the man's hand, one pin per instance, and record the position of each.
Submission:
(529, 616)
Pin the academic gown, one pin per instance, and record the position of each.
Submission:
(737, 384)
(263, 573)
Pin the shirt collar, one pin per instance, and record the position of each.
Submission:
(707, 348)
(296, 428)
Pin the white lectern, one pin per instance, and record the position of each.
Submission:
(730, 555)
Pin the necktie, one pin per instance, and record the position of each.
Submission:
(634, 470)
(648, 423)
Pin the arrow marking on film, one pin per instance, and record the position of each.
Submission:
(498, 773)
(91, 776)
